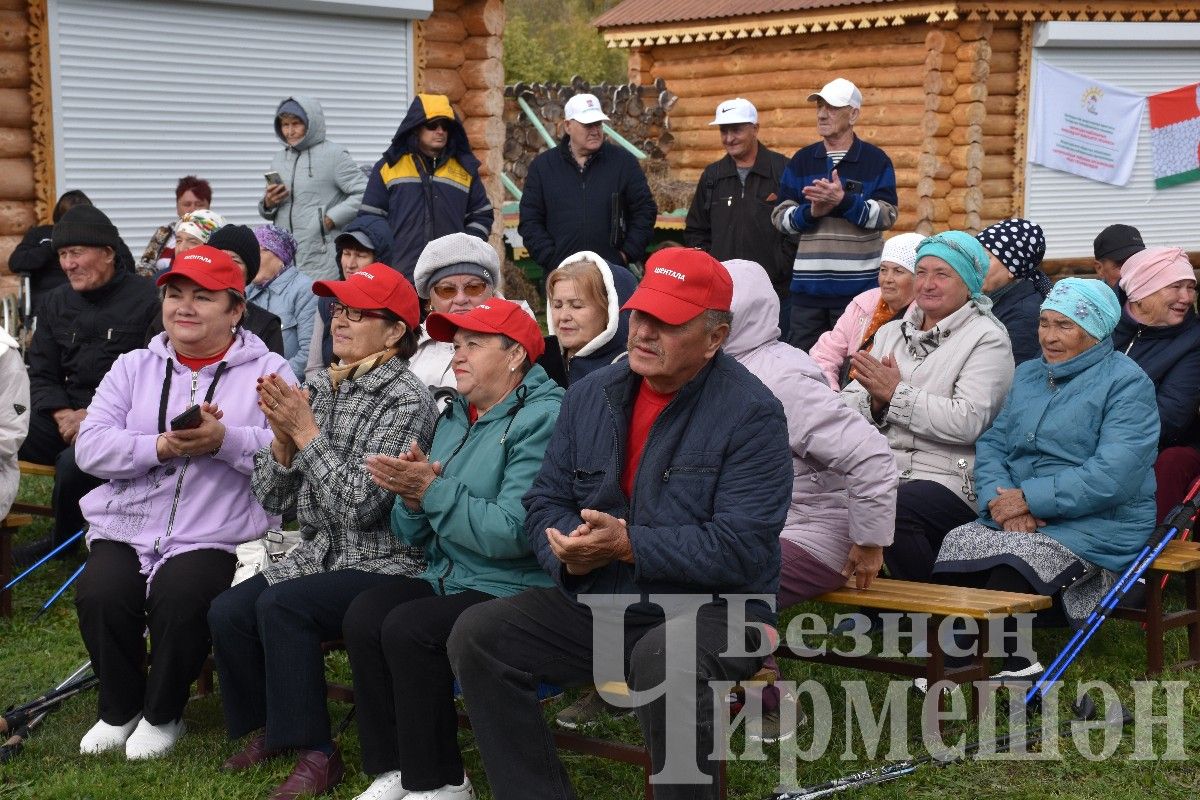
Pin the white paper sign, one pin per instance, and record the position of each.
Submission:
(1083, 126)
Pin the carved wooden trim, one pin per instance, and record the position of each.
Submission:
(1024, 68)
(418, 39)
(41, 102)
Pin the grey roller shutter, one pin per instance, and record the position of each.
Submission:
(148, 91)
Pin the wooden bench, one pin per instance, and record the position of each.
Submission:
(8, 528)
(37, 509)
(939, 602)
(1178, 558)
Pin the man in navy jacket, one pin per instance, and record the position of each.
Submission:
(667, 480)
(586, 194)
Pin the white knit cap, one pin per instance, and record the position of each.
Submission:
(902, 249)
(441, 255)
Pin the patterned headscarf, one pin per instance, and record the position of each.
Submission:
(1087, 302)
(200, 224)
(966, 256)
(1020, 245)
(278, 241)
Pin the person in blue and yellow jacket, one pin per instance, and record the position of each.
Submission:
(427, 184)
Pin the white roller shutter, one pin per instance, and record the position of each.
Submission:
(146, 91)
(1144, 58)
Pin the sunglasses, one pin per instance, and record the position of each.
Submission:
(436, 125)
(357, 314)
(448, 291)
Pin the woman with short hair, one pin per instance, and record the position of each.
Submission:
(267, 630)
(933, 382)
(191, 194)
(1065, 479)
(462, 506)
(588, 329)
(172, 429)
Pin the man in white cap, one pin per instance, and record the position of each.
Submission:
(586, 194)
(839, 195)
(730, 216)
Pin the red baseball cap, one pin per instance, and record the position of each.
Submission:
(497, 315)
(680, 284)
(209, 267)
(376, 286)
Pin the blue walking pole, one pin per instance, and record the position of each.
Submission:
(61, 589)
(1182, 520)
(44, 559)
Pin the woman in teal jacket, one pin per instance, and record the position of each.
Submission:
(462, 504)
(1065, 475)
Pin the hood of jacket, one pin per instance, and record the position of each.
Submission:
(755, 308)
(315, 133)
(537, 387)
(246, 347)
(425, 107)
(377, 230)
(619, 285)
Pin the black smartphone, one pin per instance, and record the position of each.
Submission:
(187, 420)
(853, 187)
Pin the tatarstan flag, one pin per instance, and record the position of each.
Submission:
(1175, 135)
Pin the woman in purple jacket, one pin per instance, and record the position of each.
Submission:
(173, 428)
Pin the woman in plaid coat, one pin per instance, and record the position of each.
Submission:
(267, 631)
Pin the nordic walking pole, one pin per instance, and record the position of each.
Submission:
(14, 718)
(11, 748)
(61, 589)
(44, 559)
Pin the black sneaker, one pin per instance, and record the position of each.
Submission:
(587, 711)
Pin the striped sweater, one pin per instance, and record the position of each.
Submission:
(838, 254)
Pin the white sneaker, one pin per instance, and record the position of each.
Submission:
(153, 741)
(104, 737)
(460, 792)
(386, 787)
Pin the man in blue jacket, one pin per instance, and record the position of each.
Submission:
(668, 481)
(839, 196)
(427, 184)
(586, 194)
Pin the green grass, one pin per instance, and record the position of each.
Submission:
(36, 655)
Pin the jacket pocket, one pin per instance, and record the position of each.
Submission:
(586, 485)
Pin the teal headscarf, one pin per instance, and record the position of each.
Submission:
(1087, 302)
(966, 256)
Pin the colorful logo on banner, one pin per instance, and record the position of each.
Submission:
(1084, 127)
(1175, 135)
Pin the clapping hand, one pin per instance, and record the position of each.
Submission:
(597, 542)
(407, 475)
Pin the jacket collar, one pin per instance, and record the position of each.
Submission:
(1129, 326)
(623, 387)
(852, 153)
(761, 166)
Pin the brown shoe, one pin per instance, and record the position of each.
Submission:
(255, 752)
(315, 773)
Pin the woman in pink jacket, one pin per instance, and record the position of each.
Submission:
(871, 310)
(173, 428)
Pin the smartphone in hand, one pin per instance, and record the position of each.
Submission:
(273, 178)
(187, 420)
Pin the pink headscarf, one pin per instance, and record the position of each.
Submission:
(1152, 269)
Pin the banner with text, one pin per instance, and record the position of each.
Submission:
(1083, 126)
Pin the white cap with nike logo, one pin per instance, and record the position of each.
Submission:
(737, 111)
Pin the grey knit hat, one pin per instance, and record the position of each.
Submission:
(456, 254)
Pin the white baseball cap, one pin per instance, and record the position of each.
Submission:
(737, 111)
(584, 108)
(839, 92)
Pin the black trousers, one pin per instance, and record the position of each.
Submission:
(502, 649)
(114, 611)
(403, 685)
(43, 445)
(267, 644)
(807, 323)
(925, 512)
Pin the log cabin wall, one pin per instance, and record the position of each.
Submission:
(458, 54)
(18, 208)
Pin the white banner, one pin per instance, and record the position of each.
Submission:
(1083, 126)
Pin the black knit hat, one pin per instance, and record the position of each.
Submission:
(241, 240)
(87, 226)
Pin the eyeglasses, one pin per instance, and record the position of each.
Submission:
(356, 314)
(437, 125)
(448, 291)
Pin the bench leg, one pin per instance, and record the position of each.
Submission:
(6, 569)
(1154, 623)
(935, 670)
(1192, 599)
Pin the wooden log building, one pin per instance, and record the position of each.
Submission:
(451, 47)
(945, 92)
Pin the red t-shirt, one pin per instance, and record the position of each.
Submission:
(472, 413)
(646, 408)
(195, 364)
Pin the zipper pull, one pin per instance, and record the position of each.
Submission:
(156, 541)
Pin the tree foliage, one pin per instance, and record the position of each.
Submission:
(553, 40)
